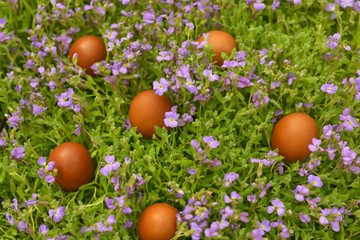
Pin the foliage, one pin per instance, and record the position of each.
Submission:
(289, 60)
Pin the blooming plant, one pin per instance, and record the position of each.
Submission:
(214, 163)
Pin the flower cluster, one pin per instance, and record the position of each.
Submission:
(201, 154)
(47, 170)
(193, 219)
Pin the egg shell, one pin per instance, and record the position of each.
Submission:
(90, 49)
(292, 135)
(74, 165)
(157, 222)
(221, 42)
(147, 110)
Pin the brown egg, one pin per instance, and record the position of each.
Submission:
(147, 110)
(74, 164)
(157, 222)
(292, 136)
(90, 49)
(221, 42)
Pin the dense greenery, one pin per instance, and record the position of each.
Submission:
(299, 56)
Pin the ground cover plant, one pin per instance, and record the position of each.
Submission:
(215, 164)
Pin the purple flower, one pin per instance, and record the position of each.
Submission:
(2, 23)
(22, 226)
(51, 85)
(264, 226)
(234, 195)
(127, 160)
(43, 229)
(18, 153)
(196, 231)
(170, 120)
(210, 140)
(315, 181)
(243, 217)
(335, 226)
(65, 100)
(313, 202)
(316, 145)
(128, 224)
(189, 85)
(212, 231)
(3, 143)
(30, 201)
(327, 130)
(57, 214)
(208, 73)
(110, 166)
(127, 210)
(183, 71)
(78, 129)
(3, 37)
(348, 122)
(195, 144)
(330, 7)
(169, 31)
(148, 16)
(230, 177)
(348, 155)
(257, 234)
(291, 77)
(127, 125)
(347, 47)
(164, 55)
(48, 167)
(110, 203)
(258, 5)
(38, 110)
(15, 119)
(224, 223)
(191, 171)
(119, 68)
(120, 201)
(324, 212)
(10, 219)
(30, 63)
(300, 191)
(304, 218)
(346, 3)
(263, 193)
(161, 87)
(357, 6)
(110, 35)
(297, 2)
(266, 162)
(332, 43)
(275, 5)
(277, 206)
(111, 220)
(329, 88)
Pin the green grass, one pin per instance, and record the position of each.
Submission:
(228, 115)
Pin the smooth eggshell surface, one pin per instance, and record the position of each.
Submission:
(147, 110)
(157, 222)
(221, 42)
(90, 49)
(293, 134)
(74, 164)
